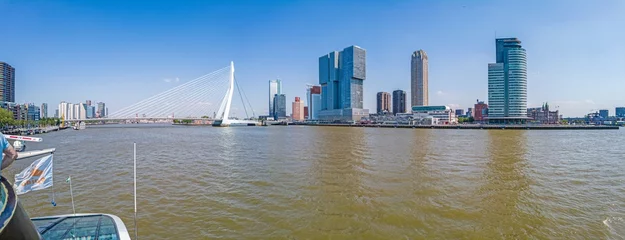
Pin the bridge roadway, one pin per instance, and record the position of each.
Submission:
(136, 118)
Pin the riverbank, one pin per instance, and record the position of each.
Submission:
(32, 131)
(478, 126)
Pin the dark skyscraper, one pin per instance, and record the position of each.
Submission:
(399, 101)
(384, 102)
(7, 79)
(279, 106)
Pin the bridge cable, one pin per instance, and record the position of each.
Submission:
(248, 101)
(241, 95)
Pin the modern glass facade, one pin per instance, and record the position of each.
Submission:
(279, 106)
(620, 112)
(419, 79)
(313, 99)
(399, 101)
(341, 76)
(507, 83)
(604, 113)
(101, 110)
(275, 87)
(429, 108)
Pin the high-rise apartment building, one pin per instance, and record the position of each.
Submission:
(298, 109)
(507, 83)
(101, 110)
(44, 110)
(419, 79)
(279, 106)
(275, 87)
(384, 103)
(399, 101)
(7, 82)
(313, 99)
(341, 76)
(88, 102)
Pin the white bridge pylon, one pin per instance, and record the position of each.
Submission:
(202, 97)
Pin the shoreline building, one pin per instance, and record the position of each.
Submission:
(298, 109)
(419, 79)
(383, 103)
(275, 87)
(313, 100)
(399, 102)
(507, 83)
(619, 112)
(433, 115)
(480, 112)
(543, 115)
(341, 76)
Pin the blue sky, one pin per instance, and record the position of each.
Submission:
(120, 52)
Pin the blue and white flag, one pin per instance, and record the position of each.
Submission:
(37, 176)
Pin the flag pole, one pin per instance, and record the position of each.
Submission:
(71, 193)
(135, 182)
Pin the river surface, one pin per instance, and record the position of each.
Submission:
(302, 182)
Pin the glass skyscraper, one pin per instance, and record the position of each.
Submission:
(279, 106)
(275, 87)
(341, 76)
(507, 83)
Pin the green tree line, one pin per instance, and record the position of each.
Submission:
(6, 120)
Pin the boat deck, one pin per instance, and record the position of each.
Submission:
(81, 226)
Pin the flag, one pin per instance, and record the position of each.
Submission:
(37, 176)
(69, 179)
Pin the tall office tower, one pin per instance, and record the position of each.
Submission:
(507, 83)
(275, 87)
(419, 79)
(341, 76)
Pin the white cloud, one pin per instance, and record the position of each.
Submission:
(169, 80)
(440, 93)
(454, 105)
(589, 101)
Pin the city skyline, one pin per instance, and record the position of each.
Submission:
(458, 69)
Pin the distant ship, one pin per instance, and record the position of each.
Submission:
(80, 126)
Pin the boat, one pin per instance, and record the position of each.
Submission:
(16, 224)
(80, 126)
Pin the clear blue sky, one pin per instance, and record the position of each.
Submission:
(120, 52)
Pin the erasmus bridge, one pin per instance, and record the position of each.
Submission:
(200, 98)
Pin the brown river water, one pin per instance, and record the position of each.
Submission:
(305, 182)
